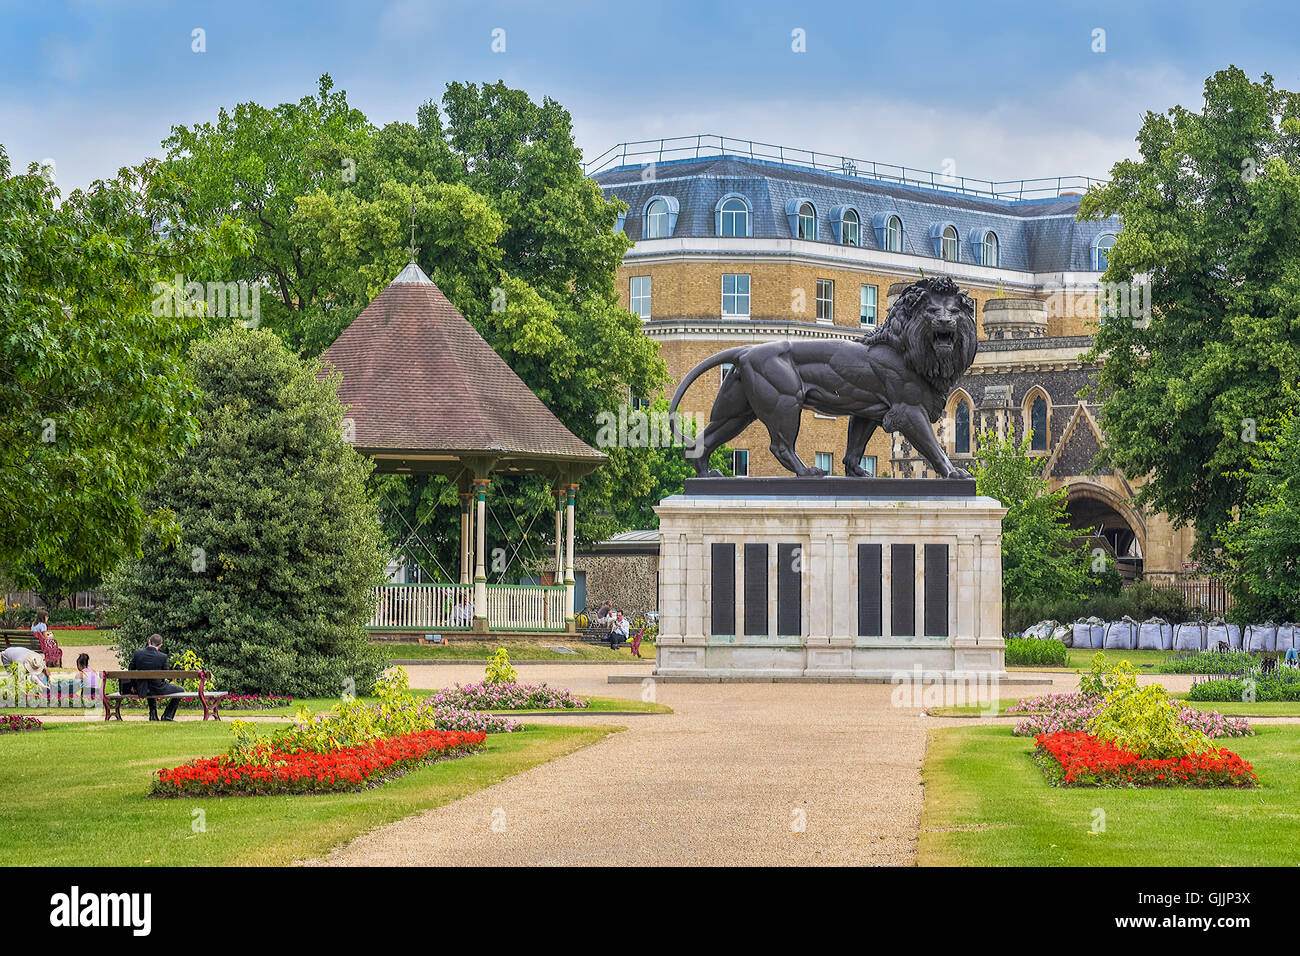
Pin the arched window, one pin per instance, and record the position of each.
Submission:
(961, 428)
(990, 255)
(1038, 423)
(734, 217)
(894, 235)
(656, 220)
(949, 248)
(1101, 252)
(852, 228)
(807, 221)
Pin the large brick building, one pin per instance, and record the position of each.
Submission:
(749, 244)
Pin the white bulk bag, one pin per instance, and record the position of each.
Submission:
(1151, 635)
(1190, 636)
(1261, 637)
(1081, 634)
(1119, 635)
(1234, 637)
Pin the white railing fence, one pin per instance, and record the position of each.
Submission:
(512, 607)
(440, 606)
(450, 607)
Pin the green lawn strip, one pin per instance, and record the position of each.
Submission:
(987, 804)
(76, 795)
(75, 640)
(1229, 708)
(540, 650)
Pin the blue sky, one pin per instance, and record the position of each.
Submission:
(1002, 90)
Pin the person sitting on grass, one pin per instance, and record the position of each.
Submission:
(618, 630)
(151, 658)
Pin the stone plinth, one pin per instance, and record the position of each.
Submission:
(830, 577)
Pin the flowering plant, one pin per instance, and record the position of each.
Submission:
(499, 670)
(1053, 713)
(13, 724)
(270, 769)
(1080, 759)
(507, 696)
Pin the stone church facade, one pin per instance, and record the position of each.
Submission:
(733, 249)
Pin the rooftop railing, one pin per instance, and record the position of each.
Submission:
(704, 145)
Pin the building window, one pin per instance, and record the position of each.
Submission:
(724, 371)
(1101, 252)
(1038, 424)
(823, 461)
(639, 294)
(825, 300)
(894, 235)
(869, 464)
(740, 463)
(867, 304)
(961, 429)
(949, 246)
(734, 218)
(852, 229)
(656, 220)
(735, 294)
(990, 256)
(807, 221)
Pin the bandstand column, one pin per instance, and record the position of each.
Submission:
(465, 532)
(569, 580)
(480, 571)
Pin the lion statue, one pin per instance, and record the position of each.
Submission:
(897, 378)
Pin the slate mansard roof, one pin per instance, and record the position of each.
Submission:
(1034, 235)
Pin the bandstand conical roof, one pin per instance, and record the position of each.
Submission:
(425, 392)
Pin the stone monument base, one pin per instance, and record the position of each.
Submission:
(830, 577)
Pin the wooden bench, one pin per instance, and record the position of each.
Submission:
(46, 646)
(211, 701)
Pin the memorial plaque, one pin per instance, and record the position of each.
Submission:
(756, 589)
(723, 559)
(789, 590)
(870, 619)
(902, 590)
(936, 590)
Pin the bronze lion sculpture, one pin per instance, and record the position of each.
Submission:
(896, 378)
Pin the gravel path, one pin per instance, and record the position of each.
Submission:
(739, 774)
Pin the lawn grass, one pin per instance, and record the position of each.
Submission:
(73, 639)
(75, 795)
(540, 650)
(987, 804)
(1080, 658)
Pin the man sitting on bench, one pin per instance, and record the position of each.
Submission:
(152, 658)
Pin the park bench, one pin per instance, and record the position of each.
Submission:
(48, 646)
(210, 700)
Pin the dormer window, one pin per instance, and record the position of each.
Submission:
(1101, 252)
(846, 225)
(659, 218)
(733, 217)
(948, 247)
(807, 228)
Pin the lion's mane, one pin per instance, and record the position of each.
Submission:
(904, 331)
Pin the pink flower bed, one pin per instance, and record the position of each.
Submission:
(1070, 713)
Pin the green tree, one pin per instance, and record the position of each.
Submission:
(252, 164)
(1209, 212)
(279, 548)
(1263, 545)
(1040, 561)
(94, 393)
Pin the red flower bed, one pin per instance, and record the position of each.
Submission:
(305, 771)
(1078, 759)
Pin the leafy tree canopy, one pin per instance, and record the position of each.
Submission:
(1211, 212)
(94, 394)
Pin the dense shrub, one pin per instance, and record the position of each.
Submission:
(1030, 652)
(271, 580)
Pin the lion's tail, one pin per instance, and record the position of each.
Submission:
(722, 358)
